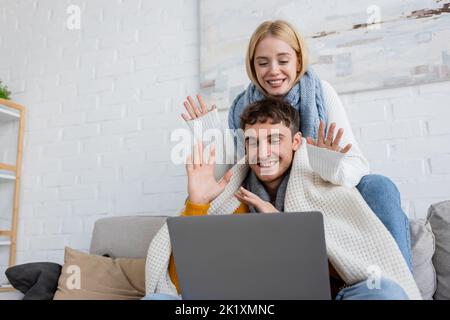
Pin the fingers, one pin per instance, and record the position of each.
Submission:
(212, 154)
(330, 134)
(202, 104)
(197, 158)
(226, 178)
(247, 197)
(337, 140)
(347, 148)
(194, 106)
(186, 117)
(189, 164)
(200, 150)
(193, 111)
(320, 136)
(228, 175)
(189, 109)
(241, 198)
(245, 194)
(248, 193)
(331, 142)
(310, 140)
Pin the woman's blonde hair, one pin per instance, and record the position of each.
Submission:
(282, 30)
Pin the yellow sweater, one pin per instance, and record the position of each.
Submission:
(193, 209)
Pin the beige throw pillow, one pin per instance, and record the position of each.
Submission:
(92, 277)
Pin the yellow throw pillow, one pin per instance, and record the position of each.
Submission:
(92, 277)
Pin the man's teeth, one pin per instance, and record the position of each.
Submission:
(268, 164)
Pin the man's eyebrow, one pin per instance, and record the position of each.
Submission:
(279, 134)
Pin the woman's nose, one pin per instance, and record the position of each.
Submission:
(274, 68)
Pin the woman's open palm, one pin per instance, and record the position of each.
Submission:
(193, 111)
(329, 142)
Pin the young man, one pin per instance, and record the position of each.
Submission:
(272, 138)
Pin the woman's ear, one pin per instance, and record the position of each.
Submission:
(296, 141)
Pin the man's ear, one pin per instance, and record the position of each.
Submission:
(296, 141)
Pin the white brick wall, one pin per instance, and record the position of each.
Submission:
(403, 133)
(101, 104)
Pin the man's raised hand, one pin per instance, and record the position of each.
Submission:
(202, 186)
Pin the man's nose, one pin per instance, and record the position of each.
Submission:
(264, 150)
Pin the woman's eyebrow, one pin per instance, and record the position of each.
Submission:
(279, 54)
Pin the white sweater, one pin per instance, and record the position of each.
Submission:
(347, 173)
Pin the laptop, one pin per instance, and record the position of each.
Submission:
(278, 256)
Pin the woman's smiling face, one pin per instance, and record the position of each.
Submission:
(276, 65)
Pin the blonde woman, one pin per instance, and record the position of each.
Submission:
(277, 65)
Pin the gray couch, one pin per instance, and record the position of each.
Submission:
(130, 236)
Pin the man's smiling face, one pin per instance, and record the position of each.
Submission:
(270, 149)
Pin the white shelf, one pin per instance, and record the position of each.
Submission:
(4, 174)
(5, 243)
(5, 286)
(7, 113)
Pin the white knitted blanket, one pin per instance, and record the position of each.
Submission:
(356, 239)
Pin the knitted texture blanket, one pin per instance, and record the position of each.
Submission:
(356, 239)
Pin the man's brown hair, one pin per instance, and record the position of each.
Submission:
(274, 109)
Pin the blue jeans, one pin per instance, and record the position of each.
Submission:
(161, 296)
(383, 198)
(388, 290)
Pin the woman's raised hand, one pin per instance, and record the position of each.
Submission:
(329, 142)
(193, 111)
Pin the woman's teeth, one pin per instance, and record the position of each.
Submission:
(275, 82)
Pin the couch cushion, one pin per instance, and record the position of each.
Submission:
(91, 277)
(439, 218)
(423, 246)
(125, 237)
(37, 280)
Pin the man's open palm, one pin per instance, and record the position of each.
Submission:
(202, 186)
